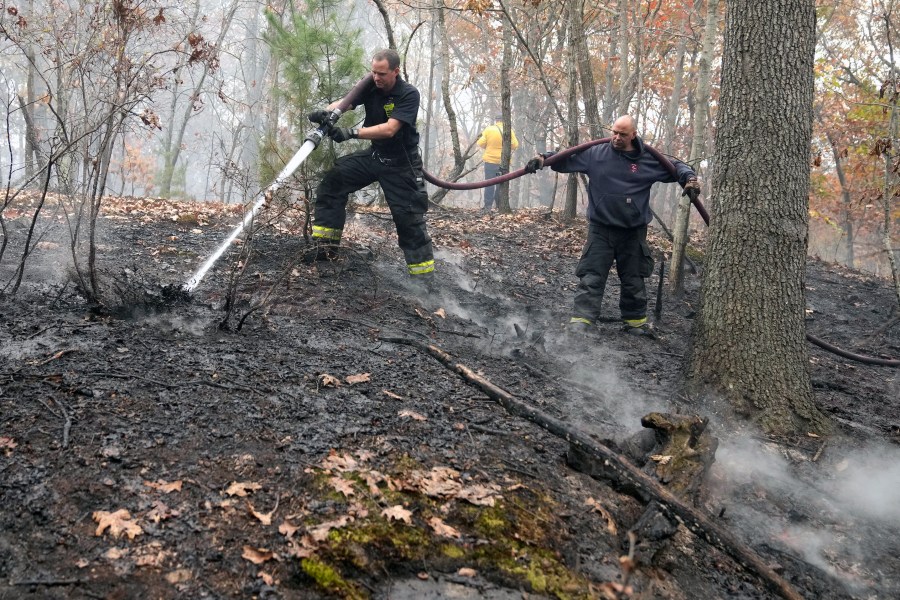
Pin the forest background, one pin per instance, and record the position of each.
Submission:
(207, 100)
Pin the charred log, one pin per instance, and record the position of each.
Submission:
(622, 472)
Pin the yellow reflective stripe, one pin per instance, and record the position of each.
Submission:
(421, 268)
(327, 233)
(636, 322)
(580, 320)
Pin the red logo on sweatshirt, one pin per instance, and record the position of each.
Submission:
(634, 167)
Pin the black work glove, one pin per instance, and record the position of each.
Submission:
(535, 164)
(342, 134)
(692, 187)
(319, 116)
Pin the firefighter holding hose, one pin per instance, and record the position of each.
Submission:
(392, 159)
(620, 176)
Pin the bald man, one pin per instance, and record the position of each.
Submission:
(620, 176)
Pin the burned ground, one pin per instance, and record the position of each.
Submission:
(285, 435)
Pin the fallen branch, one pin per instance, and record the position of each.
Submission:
(626, 473)
(59, 354)
(67, 420)
(47, 582)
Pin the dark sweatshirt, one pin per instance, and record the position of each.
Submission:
(619, 182)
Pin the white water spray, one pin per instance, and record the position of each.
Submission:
(301, 155)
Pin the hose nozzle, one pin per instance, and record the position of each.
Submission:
(316, 135)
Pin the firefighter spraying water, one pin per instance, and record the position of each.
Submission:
(309, 144)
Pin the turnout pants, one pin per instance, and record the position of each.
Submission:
(629, 250)
(403, 184)
(490, 171)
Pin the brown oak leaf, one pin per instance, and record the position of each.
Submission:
(361, 378)
(242, 488)
(397, 513)
(442, 528)
(257, 555)
(118, 522)
(164, 486)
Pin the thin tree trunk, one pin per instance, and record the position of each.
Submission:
(698, 144)
(571, 206)
(174, 149)
(459, 161)
(389, 31)
(506, 148)
(845, 197)
(429, 112)
(585, 70)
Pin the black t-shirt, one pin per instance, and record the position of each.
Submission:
(401, 103)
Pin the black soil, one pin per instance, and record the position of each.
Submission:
(307, 385)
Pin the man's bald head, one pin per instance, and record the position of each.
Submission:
(624, 130)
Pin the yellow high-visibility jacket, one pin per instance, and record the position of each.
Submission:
(492, 141)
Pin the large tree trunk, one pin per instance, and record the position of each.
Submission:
(750, 343)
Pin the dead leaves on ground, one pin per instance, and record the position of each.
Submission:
(598, 508)
(442, 529)
(397, 513)
(165, 486)
(363, 488)
(354, 379)
(443, 482)
(118, 523)
(326, 380)
(242, 488)
(7, 445)
(412, 415)
(257, 555)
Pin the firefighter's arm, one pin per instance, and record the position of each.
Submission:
(382, 131)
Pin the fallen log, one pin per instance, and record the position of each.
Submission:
(623, 472)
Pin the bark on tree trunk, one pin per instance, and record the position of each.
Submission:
(750, 340)
(888, 198)
(31, 160)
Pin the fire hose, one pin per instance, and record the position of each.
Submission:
(695, 200)
(315, 136)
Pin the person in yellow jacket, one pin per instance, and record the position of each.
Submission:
(491, 141)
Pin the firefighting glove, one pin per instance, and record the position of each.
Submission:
(534, 165)
(342, 134)
(537, 163)
(319, 116)
(692, 187)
